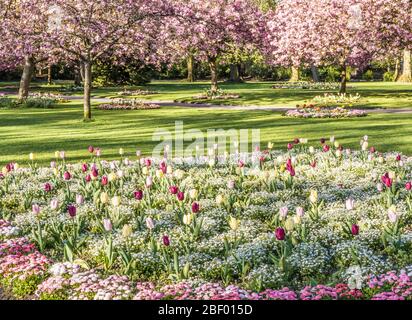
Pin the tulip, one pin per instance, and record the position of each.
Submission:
(35, 208)
(56, 154)
(296, 141)
(138, 153)
(52, 164)
(393, 217)
(313, 196)
(107, 224)
(300, 212)
(62, 154)
(148, 162)
(88, 178)
(94, 173)
(379, 187)
(79, 199)
(211, 162)
(234, 223)
(372, 150)
(195, 207)
(121, 151)
(169, 170)
(322, 141)
(67, 176)
(325, 148)
(311, 149)
(149, 223)
(138, 195)
(350, 204)
(187, 219)
(355, 229)
(297, 219)
(54, 204)
(193, 194)
(90, 149)
(98, 152)
(31, 156)
(166, 241)
(126, 161)
(270, 145)
(219, 199)
(289, 224)
(365, 138)
(365, 145)
(85, 167)
(104, 198)
(241, 164)
(71, 209)
(149, 181)
(180, 196)
(105, 180)
(313, 164)
(280, 234)
(231, 184)
(47, 187)
(127, 231)
(408, 186)
(290, 146)
(116, 201)
(283, 212)
(336, 144)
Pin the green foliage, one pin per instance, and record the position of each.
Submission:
(368, 75)
(388, 76)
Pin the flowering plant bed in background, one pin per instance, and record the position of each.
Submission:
(139, 92)
(127, 104)
(210, 97)
(312, 222)
(47, 96)
(306, 85)
(336, 100)
(312, 111)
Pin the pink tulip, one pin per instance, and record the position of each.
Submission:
(180, 196)
(47, 187)
(148, 162)
(85, 167)
(355, 229)
(283, 212)
(88, 178)
(105, 180)
(290, 146)
(149, 223)
(408, 186)
(52, 164)
(90, 149)
(67, 176)
(325, 148)
(173, 190)
(107, 224)
(79, 199)
(54, 204)
(98, 152)
(300, 212)
(35, 208)
(149, 181)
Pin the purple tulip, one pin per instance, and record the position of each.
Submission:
(166, 241)
(138, 195)
(180, 196)
(280, 234)
(67, 176)
(174, 190)
(71, 209)
(85, 167)
(355, 229)
(195, 207)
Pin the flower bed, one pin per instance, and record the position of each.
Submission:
(138, 92)
(127, 104)
(317, 112)
(271, 225)
(306, 85)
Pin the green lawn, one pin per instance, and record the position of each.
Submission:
(45, 131)
(375, 94)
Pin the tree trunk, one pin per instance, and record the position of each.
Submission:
(49, 74)
(77, 76)
(407, 68)
(87, 112)
(234, 73)
(343, 80)
(397, 69)
(28, 70)
(190, 68)
(81, 69)
(315, 73)
(295, 75)
(213, 74)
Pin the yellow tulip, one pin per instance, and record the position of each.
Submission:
(104, 198)
(126, 231)
(31, 156)
(313, 196)
(234, 223)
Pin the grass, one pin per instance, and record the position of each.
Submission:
(375, 94)
(45, 131)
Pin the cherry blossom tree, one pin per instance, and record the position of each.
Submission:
(23, 42)
(316, 32)
(212, 28)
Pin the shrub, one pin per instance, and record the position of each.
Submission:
(368, 75)
(388, 76)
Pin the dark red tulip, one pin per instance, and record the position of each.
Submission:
(71, 209)
(163, 167)
(47, 187)
(398, 157)
(386, 180)
(148, 162)
(372, 150)
(67, 175)
(326, 148)
(180, 196)
(280, 234)
(195, 207)
(296, 140)
(241, 164)
(355, 229)
(85, 167)
(174, 190)
(138, 195)
(322, 141)
(408, 186)
(340, 148)
(105, 180)
(166, 241)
